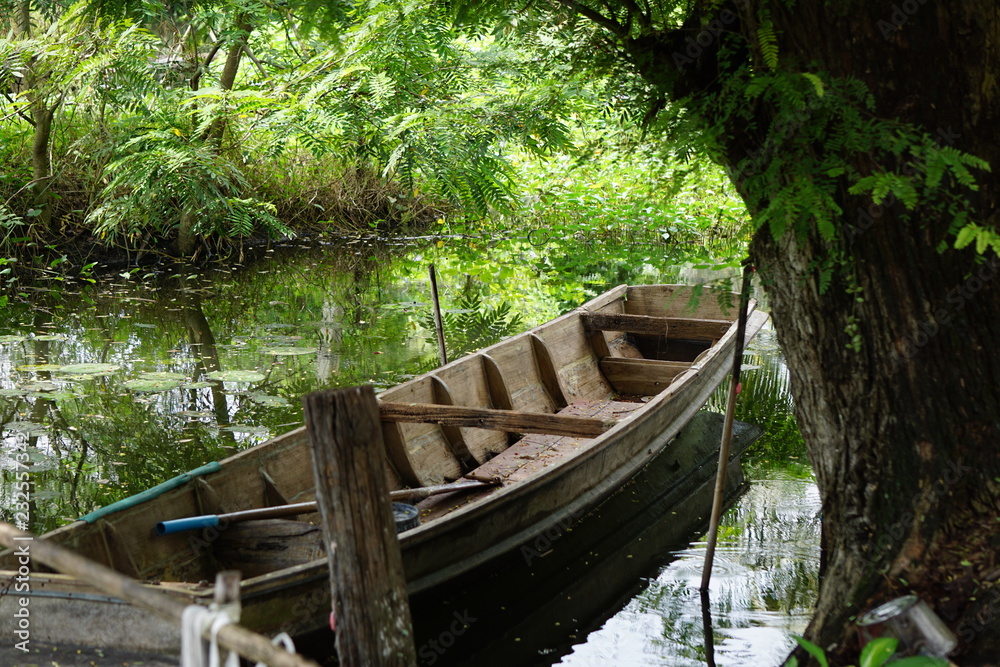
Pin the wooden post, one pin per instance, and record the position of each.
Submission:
(232, 637)
(368, 588)
(438, 322)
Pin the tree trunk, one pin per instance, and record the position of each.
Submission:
(897, 386)
(41, 165)
(229, 71)
(215, 132)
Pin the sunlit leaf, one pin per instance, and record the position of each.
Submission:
(162, 375)
(26, 427)
(151, 386)
(270, 401)
(197, 385)
(40, 386)
(40, 367)
(90, 369)
(289, 351)
(236, 376)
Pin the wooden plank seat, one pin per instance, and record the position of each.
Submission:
(642, 377)
(499, 420)
(672, 327)
(531, 453)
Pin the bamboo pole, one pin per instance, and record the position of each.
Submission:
(438, 322)
(231, 637)
(727, 430)
(293, 509)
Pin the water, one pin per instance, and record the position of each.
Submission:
(763, 585)
(151, 404)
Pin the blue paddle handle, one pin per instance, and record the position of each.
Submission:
(191, 523)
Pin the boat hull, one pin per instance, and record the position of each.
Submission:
(555, 364)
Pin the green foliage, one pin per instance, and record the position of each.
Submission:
(767, 40)
(473, 324)
(406, 92)
(164, 175)
(875, 653)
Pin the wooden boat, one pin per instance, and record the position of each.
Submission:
(562, 414)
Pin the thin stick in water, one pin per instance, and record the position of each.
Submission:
(727, 430)
(438, 324)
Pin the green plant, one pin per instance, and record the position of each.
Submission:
(874, 654)
(164, 175)
(474, 325)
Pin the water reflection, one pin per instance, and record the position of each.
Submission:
(763, 585)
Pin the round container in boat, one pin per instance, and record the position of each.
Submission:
(407, 516)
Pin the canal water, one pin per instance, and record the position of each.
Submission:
(112, 384)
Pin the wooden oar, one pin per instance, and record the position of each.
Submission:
(216, 520)
(727, 429)
(231, 637)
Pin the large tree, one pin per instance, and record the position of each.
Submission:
(860, 135)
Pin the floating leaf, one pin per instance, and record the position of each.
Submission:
(54, 395)
(90, 369)
(244, 428)
(270, 401)
(236, 376)
(12, 339)
(197, 385)
(40, 367)
(12, 392)
(288, 351)
(152, 385)
(144, 326)
(281, 340)
(26, 427)
(162, 375)
(41, 385)
(48, 337)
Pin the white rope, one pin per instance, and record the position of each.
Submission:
(197, 652)
(283, 640)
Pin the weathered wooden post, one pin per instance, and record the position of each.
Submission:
(368, 587)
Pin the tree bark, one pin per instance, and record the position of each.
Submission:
(41, 165)
(903, 430)
(215, 132)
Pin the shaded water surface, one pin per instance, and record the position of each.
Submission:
(112, 385)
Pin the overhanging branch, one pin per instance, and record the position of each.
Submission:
(600, 19)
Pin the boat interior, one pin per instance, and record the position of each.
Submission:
(534, 399)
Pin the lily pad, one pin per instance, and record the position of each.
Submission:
(90, 369)
(12, 392)
(53, 395)
(197, 385)
(236, 376)
(26, 427)
(40, 367)
(142, 325)
(49, 337)
(152, 385)
(289, 351)
(162, 375)
(268, 400)
(12, 339)
(282, 340)
(41, 385)
(244, 428)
